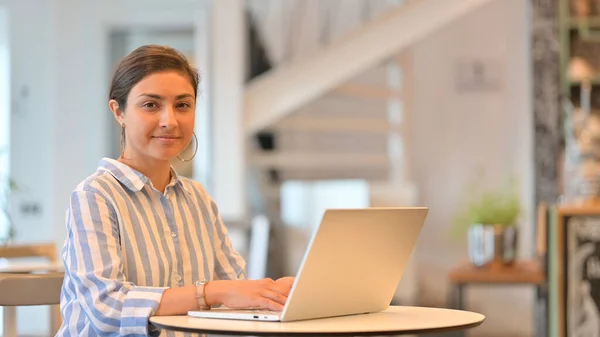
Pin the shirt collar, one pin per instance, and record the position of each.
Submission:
(132, 179)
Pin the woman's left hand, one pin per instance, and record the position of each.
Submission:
(286, 282)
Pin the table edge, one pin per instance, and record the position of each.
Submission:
(357, 333)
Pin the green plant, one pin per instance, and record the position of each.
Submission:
(499, 206)
(7, 187)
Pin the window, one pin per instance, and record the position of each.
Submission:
(304, 202)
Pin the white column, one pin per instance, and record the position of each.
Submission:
(227, 88)
(202, 52)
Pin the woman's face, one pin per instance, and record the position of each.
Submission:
(159, 116)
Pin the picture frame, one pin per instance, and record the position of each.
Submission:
(578, 270)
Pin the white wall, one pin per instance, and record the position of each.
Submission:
(455, 132)
(32, 92)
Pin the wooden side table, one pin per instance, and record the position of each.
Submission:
(524, 272)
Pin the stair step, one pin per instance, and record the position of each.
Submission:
(333, 124)
(316, 161)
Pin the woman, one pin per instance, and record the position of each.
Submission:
(141, 240)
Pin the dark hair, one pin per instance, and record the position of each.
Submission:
(144, 61)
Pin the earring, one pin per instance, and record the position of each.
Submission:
(122, 140)
(195, 150)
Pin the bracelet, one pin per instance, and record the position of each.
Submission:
(200, 295)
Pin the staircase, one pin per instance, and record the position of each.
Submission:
(323, 71)
(331, 102)
(334, 105)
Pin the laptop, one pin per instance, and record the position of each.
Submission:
(353, 265)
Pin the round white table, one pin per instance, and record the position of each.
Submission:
(396, 320)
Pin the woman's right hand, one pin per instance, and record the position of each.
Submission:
(248, 294)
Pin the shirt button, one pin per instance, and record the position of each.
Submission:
(173, 234)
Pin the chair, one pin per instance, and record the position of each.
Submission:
(28, 290)
(258, 252)
(45, 251)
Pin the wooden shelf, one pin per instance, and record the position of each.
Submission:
(523, 272)
(588, 207)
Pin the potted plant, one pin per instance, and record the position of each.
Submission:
(489, 221)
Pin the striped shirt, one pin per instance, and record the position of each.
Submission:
(127, 242)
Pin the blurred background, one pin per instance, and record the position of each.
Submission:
(313, 104)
